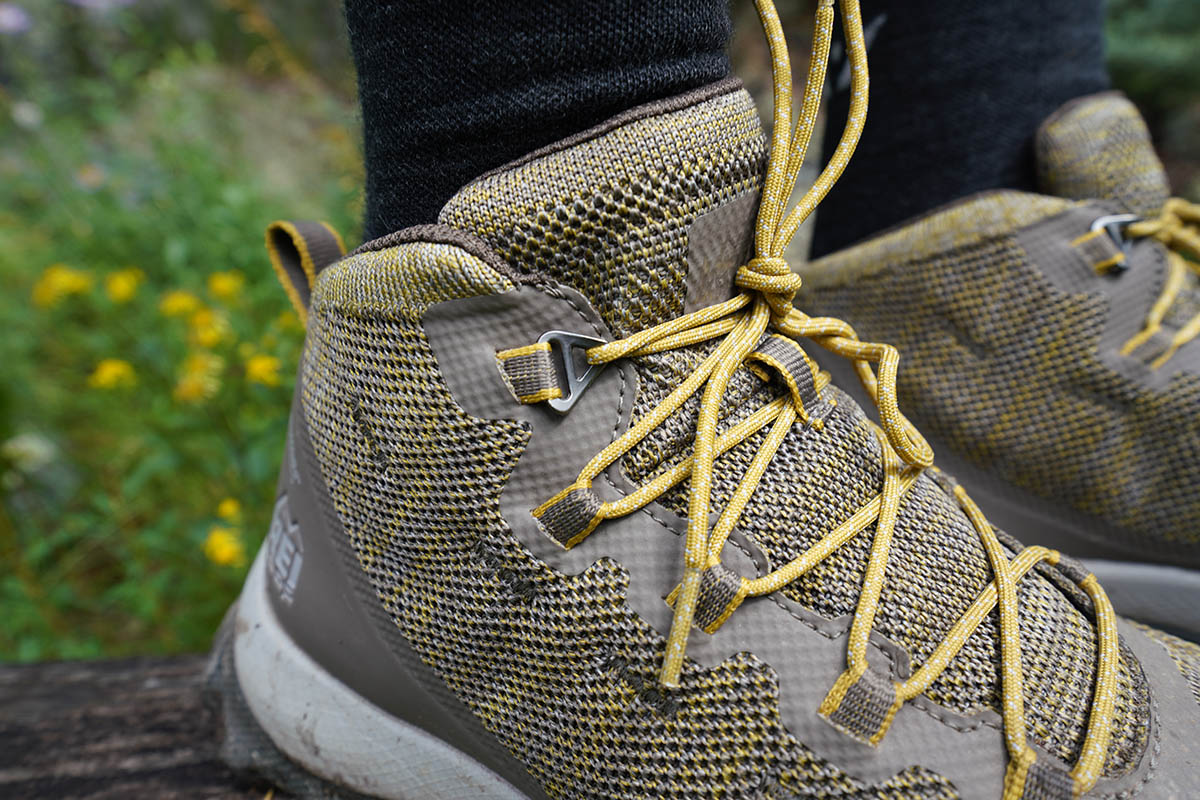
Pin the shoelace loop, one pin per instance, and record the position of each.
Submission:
(1177, 226)
(773, 276)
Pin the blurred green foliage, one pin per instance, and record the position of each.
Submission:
(148, 353)
(1154, 53)
(1154, 57)
(143, 149)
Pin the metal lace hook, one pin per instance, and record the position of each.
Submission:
(574, 381)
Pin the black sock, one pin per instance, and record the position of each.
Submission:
(451, 89)
(957, 93)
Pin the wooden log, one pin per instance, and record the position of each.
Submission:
(135, 728)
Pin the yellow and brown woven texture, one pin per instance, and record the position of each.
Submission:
(609, 218)
(1005, 368)
(558, 668)
(1099, 147)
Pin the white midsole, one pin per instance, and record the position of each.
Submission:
(324, 726)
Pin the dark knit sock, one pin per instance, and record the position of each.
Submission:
(957, 93)
(450, 89)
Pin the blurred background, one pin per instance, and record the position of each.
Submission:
(148, 354)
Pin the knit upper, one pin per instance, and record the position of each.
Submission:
(609, 217)
(1014, 343)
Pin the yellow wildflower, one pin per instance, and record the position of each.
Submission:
(224, 547)
(207, 328)
(123, 284)
(263, 369)
(229, 509)
(288, 321)
(112, 373)
(57, 282)
(178, 303)
(200, 378)
(226, 285)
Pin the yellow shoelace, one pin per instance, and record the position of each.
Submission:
(1178, 227)
(765, 307)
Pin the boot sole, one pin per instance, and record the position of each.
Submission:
(286, 719)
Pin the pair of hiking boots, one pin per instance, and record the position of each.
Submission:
(572, 508)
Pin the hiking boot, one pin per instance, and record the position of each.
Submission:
(567, 511)
(1050, 352)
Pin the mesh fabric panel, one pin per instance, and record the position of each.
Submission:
(557, 667)
(609, 217)
(1005, 368)
(1099, 147)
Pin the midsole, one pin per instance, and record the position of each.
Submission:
(328, 729)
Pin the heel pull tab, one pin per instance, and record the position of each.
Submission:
(299, 250)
